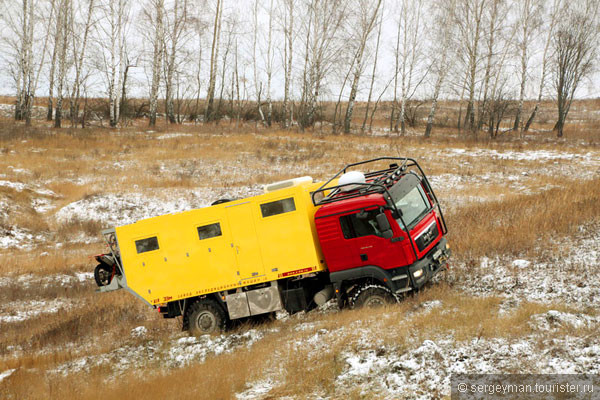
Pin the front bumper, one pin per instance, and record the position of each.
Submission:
(426, 268)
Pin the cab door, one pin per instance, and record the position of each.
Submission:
(244, 243)
(364, 242)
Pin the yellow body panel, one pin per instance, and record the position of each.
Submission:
(251, 248)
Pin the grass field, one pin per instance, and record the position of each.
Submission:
(521, 294)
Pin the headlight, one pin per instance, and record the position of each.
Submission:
(418, 273)
(447, 246)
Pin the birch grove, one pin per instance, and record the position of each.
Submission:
(346, 66)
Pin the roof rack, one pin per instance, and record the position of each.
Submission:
(378, 181)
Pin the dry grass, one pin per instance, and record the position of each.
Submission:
(76, 164)
(301, 370)
(516, 225)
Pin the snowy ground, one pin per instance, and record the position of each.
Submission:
(569, 275)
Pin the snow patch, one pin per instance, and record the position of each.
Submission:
(139, 332)
(120, 209)
(256, 390)
(554, 319)
(521, 263)
(18, 311)
(6, 374)
(15, 237)
(172, 135)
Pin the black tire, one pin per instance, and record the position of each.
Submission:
(103, 275)
(371, 295)
(220, 201)
(205, 316)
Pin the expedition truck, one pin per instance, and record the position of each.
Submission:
(363, 238)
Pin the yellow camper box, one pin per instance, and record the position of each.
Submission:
(224, 246)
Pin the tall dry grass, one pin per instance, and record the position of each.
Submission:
(519, 224)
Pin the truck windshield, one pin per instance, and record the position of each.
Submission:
(412, 205)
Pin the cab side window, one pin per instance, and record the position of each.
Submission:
(363, 223)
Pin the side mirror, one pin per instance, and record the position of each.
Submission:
(384, 226)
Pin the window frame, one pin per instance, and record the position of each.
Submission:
(155, 237)
(262, 213)
(349, 218)
(218, 223)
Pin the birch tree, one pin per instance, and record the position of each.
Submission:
(468, 19)
(214, 55)
(367, 15)
(374, 72)
(550, 26)
(156, 20)
(55, 45)
(27, 68)
(440, 50)
(322, 47)
(175, 37)
(19, 22)
(269, 65)
(409, 48)
(528, 23)
(258, 85)
(79, 46)
(287, 19)
(576, 52)
(64, 16)
(496, 13)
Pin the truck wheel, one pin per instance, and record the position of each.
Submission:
(371, 296)
(205, 316)
(102, 275)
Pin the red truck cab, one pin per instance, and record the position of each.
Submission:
(382, 231)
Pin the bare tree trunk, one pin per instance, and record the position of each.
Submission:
(364, 123)
(288, 58)
(65, 6)
(269, 66)
(576, 50)
(556, 6)
(175, 36)
(53, 65)
(527, 19)
(78, 57)
(237, 88)
(488, 66)
(471, 28)
(210, 96)
(339, 99)
(224, 68)
(441, 62)
(409, 24)
(257, 82)
(156, 59)
(396, 72)
(367, 22)
(29, 87)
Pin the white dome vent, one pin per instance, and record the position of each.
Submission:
(351, 177)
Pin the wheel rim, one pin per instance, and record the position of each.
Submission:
(375, 301)
(104, 277)
(206, 321)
